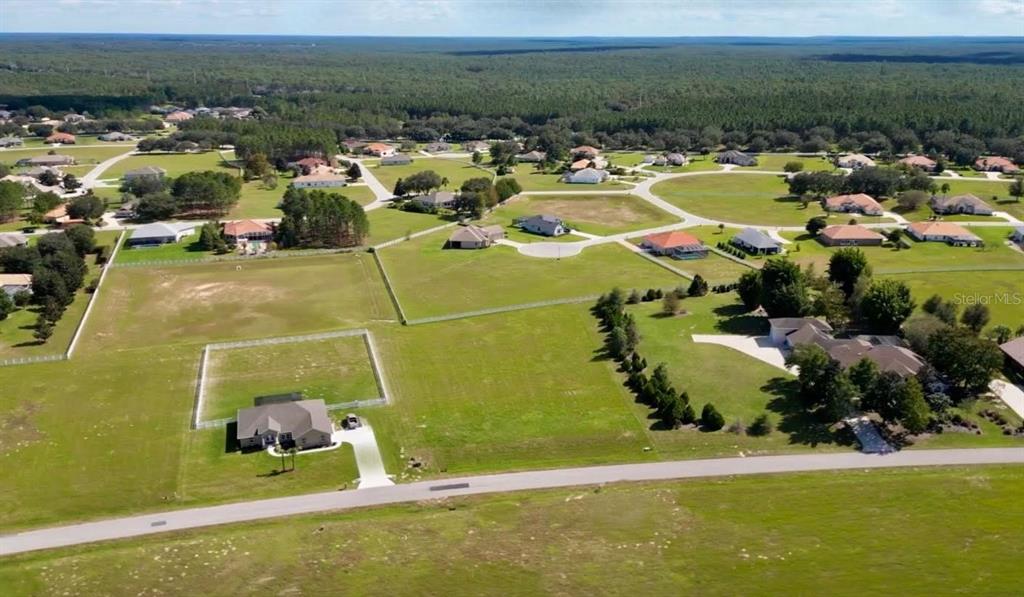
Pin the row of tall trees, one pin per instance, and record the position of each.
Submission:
(317, 219)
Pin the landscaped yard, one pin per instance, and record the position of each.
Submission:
(145, 306)
(779, 534)
(594, 214)
(176, 164)
(456, 171)
(739, 198)
(431, 280)
(333, 370)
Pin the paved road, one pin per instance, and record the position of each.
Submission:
(134, 526)
(91, 178)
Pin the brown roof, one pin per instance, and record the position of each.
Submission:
(476, 233)
(311, 162)
(850, 232)
(60, 137)
(15, 279)
(586, 149)
(245, 227)
(995, 161)
(861, 200)
(941, 229)
(673, 239)
(918, 160)
(1015, 350)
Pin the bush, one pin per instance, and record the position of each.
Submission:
(93, 285)
(711, 419)
(103, 253)
(761, 426)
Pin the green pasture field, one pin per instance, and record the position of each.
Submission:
(176, 164)
(334, 370)
(738, 198)
(431, 280)
(144, 306)
(84, 155)
(16, 331)
(390, 224)
(595, 214)
(781, 534)
(775, 162)
(1001, 291)
(531, 180)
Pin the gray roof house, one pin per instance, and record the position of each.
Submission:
(145, 172)
(13, 239)
(1017, 235)
(960, 204)
(438, 147)
(436, 199)
(300, 423)
(11, 142)
(544, 225)
(531, 157)
(159, 233)
(756, 242)
(399, 159)
(474, 237)
(675, 159)
(736, 157)
(115, 136)
(585, 176)
(782, 327)
(56, 159)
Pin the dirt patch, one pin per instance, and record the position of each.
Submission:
(599, 210)
(17, 427)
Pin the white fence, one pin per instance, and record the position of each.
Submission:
(506, 309)
(390, 288)
(224, 258)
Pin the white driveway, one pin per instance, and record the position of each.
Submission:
(371, 465)
(759, 347)
(1012, 395)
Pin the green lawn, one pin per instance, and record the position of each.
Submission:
(1003, 292)
(16, 331)
(595, 214)
(921, 256)
(531, 180)
(739, 198)
(188, 248)
(334, 370)
(431, 280)
(625, 159)
(456, 171)
(176, 164)
(391, 224)
(797, 534)
(146, 306)
(84, 155)
(775, 162)
(697, 163)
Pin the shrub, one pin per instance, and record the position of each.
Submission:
(711, 419)
(761, 426)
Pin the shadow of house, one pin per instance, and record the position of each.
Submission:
(801, 426)
(230, 441)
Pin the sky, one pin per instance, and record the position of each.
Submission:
(520, 18)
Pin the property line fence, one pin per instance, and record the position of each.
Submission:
(371, 349)
(224, 258)
(390, 288)
(393, 242)
(36, 359)
(731, 257)
(509, 308)
(675, 270)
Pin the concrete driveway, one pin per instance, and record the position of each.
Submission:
(368, 459)
(758, 347)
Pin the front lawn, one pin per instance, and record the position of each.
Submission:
(456, 171)
(595, 214)
(391, 223)
(739, 198)
(775, 162)
(176, 164)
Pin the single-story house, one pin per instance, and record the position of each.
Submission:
(438, 147)
(395, 159)
(1017, 235)
(919, 161)
(246, 230)
(946, 232)
(145, 172)
(177, 116)
(849, 235)
(585, 176)
(56, 159)
(859, 203)
(61, 138)
(585, 151)
(756, 242)
(790, 332)
(996, 164)
(12, 284)
(532, 157)
(474, 237)
(660, 161)
(380, 150)
(649, 159)
(11, 142)
(736, 157)
(579, 165)
(75, 118)
(675, 159)
(300, 423)
(436, 200)
(544, 225)
(310, 163)
(855, 161)
(115, 136)
(320, 177)
(474, 146)
(1014, 351)
(152, 235)
(354, 145)
(676, 244)
(57, 215)
(127, 209)
(960, 204)
(13, 239)
(782, 327)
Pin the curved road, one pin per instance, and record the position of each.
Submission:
(148, 524)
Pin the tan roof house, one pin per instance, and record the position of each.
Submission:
(858, 203)
(320, 177)
(996, 164)
(178, 116)
(1014, 351)
(960, 204)
(12, 284)
(380, 150)
(855, 161)
(849, 235)
(474, 237)
(919, 161)
(676, 244)
(946, 232)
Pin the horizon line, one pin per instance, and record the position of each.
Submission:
(525, 37)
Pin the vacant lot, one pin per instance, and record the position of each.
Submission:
(334, 370)
(176, 164)
(1003, 292)
(786, 534)
(738, 198)
(431, 280)
(391, 224)
(531, 180)
(776, 162)
(232, 300)
(594, 214)
(456, 171)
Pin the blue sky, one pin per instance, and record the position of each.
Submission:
(517, 18)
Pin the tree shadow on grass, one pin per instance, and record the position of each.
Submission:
(736, 319)
(801, 426)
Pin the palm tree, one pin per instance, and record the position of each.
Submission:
(293, 451)
(444, 182)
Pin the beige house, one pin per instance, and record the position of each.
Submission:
(849, 235)
(321, 177)
(960, 204)
(474, 237)
(12, 284)
(945, 232)
(919, 161)
(855, 161)
(858, 203)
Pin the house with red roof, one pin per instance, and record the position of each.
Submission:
(381, 150)
(945, 232)
(676, 244)
(995, 163)
(849, 235)
(919, 161)
(246, 230)
(62, 138)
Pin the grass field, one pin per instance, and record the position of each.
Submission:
(390, 224)
(431, 280)
(1003, 292)
(176, 164)
(775, 162)
(84, 155)
(187, 248)
(594, 214)
(456, 171)
(334, 370)
(696, 163)
(785, 534)
(921, 256)
(16, 331)
(738, 198)
(223, 301)
(531, 180)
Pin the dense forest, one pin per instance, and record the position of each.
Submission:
(671, 92)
